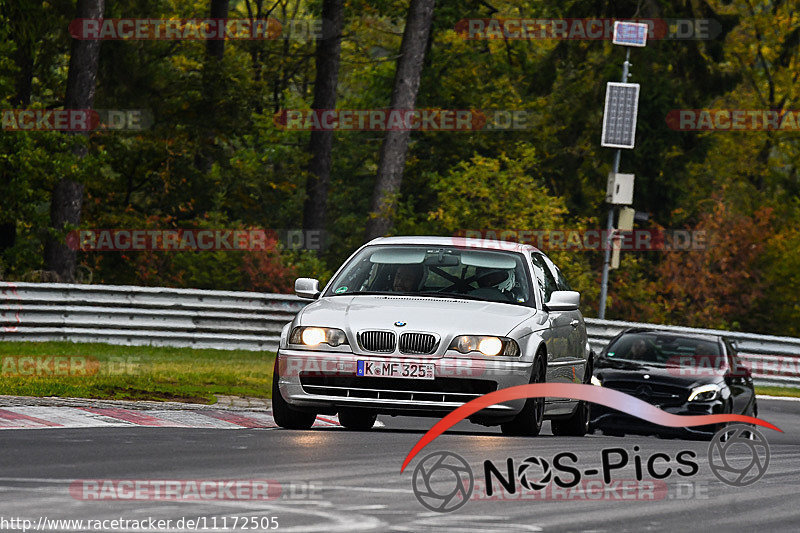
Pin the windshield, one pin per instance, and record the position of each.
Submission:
(659, 349)
(436, 271)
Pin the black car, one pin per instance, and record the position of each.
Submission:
(684, 374)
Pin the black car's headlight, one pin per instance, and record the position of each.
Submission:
(314, 336)
(704, 393)
(485, 344)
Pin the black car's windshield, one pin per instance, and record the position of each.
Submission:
(660, 349)
(438, 271)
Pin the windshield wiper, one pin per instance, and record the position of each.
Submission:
(466, 297)
(620, 363)
(379, 293)
(362, 293)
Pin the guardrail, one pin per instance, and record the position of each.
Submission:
(144, 315)
(157, 316)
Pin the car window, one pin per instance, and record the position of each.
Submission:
(544, 276)
(661, 349)
(735, 362)
(438, 271)
(560, 280)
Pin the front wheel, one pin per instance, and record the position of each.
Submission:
(576, 425)
(357, 420)
(283, 413)
(529, 421)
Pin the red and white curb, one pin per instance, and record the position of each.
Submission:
(58, 417)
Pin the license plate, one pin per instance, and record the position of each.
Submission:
(395, 369)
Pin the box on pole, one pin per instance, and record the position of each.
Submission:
(619, 190)
(625, 223)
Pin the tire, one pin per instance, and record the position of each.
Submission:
(357, 420)
(285, 416)
(576, 425)
(727, 410)
(528, 422)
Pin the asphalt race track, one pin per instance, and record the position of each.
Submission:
(336, 480)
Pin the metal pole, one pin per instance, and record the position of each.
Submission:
(601, 313)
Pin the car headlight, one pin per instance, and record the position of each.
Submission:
(704, 393)
(314, 336)
(485, 344)
(596, 382)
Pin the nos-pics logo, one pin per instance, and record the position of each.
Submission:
(443, 481)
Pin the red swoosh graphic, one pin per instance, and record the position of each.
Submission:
(590, 393)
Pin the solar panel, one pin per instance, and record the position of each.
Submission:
(619, 116)
(630, 33)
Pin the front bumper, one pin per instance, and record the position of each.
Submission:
(603, 417)
(325, 381)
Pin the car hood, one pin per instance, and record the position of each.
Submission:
(445, 316)
(608, 371)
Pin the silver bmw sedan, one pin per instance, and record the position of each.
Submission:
(418, 326)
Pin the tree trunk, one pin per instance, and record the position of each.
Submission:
(67, 197)
(23, 82)
(327, 60)
(212, 68)
(404, 96)
(219, 10)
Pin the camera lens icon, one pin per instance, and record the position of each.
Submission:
(739, 455)
(443, 482)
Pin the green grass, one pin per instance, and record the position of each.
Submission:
(155, 373)
(135, 372)
(779, 391)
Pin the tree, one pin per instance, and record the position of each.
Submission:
(404, 97)
(327, 60)
(216, 47)
(67, 196)
(719, 285)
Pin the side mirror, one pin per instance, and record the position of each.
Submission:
(307, 288)
(564, 301)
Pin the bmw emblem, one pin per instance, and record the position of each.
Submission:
(399, 323)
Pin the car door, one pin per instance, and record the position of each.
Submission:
(575, 350)
(577, 336)
(739, 380)
(556, 336)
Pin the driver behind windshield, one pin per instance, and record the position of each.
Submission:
(407, 278)
(640, 351)
(488, 281)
